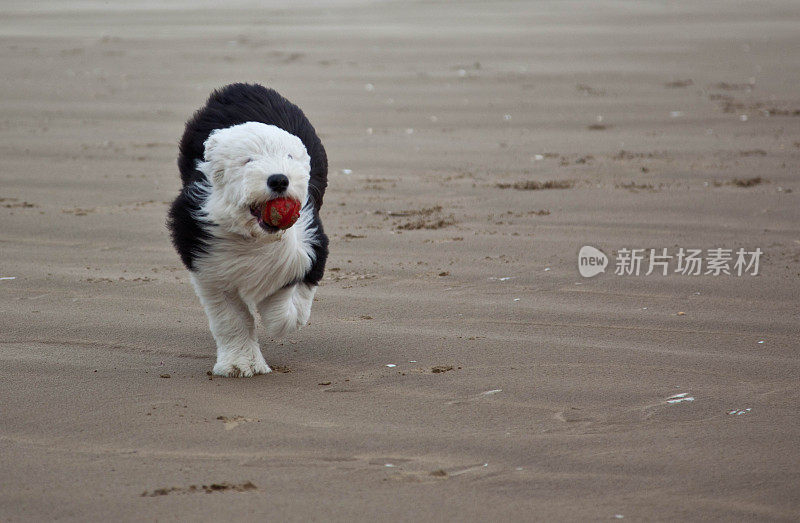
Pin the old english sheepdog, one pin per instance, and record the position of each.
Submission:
(245, 150)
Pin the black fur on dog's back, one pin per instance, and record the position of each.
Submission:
(238, 103)
(232, 105)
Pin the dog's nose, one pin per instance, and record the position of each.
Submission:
(278, 182)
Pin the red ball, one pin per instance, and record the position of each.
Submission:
(281, 212)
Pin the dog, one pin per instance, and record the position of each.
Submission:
(249, 145)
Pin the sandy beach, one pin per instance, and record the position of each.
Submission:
(457, 366)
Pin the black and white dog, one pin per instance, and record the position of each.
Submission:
(247, 146)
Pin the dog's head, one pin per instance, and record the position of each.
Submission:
(247, 165)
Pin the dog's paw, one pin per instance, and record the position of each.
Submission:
(233, 370)
(243, 368)
(260, 366)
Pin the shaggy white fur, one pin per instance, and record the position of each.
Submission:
(238, 161)
(247, 268)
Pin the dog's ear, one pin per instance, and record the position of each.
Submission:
(211, 158)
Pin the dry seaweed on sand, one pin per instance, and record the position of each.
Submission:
(426, 211)
(441, 223)
(747, 182)
(534, 185)
(742, 182)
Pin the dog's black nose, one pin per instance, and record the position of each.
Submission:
(278, 182)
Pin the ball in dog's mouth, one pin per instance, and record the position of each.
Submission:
(277, 214)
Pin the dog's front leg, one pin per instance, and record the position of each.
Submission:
(233, 328)
(288, 309)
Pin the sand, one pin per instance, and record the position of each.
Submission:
(564, 398)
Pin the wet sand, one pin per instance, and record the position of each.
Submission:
(520, 389)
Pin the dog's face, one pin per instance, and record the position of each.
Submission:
(248, 165)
